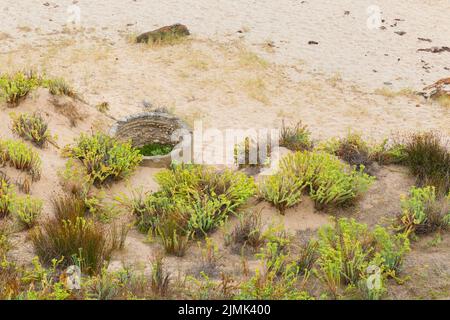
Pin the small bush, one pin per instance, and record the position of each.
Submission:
(21, 156)
(428, 159)
(69, 207)
(104, 157)
(329, 181)
(14, 88)
(80, 241)
(206, 196)
(31, 127)
(28, 210)
(283, 190)
(103, 107)
(173, 233)
(248, 233)
(277, 279)
(350, 252)
(7, 197)
(296, 138)
(59, 86)
(74, 178)
(192, 201)
(423, 212)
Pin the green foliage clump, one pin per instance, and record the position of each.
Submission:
(21, 156)
(351, 255)
(423, 212)
(31, 127)
(155, 149)
(328, 180)
(296, 138)
(277, 279)
(192, 201)
(428, 158)
(15, 87)
(28, 209)
(7, 197)
(283, 190)
(59, 87)
(104, 157)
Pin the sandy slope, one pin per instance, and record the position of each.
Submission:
(232, 79)
(346, 44)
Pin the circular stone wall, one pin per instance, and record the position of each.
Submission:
(151, 127)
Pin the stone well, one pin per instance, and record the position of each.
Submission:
(151, 127)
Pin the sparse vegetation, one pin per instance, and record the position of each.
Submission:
(105, 158)
(350, 253)
(31, 127)
(79, 241)
(248, 233)
(103, 107)
(21, 156)
(7, 196)
(28, 210)
(328, 181)
(59, 87)
(296, 138)
(424, 212)
(15, 87)
(428, 158)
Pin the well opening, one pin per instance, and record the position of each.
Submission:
(155, 134)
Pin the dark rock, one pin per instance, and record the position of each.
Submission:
(400, 33)
(313, 42)
(161, 34)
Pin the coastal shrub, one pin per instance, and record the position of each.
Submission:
(192, 201)
(74, 178)
(428, 158)
(296, 138)
(104, 157)
(59, 86)
(20, 156)
(283, 190)
(15, 87)
(248, 233)
(349, 253)
(174, 234)
(276, 279)
(7, 197)
(423, 212)
(103, 107)
(328, 180)
(31, 127)
(81, 242)
(306, 256)
(206, 195)
(27, 209)
(352, 149)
